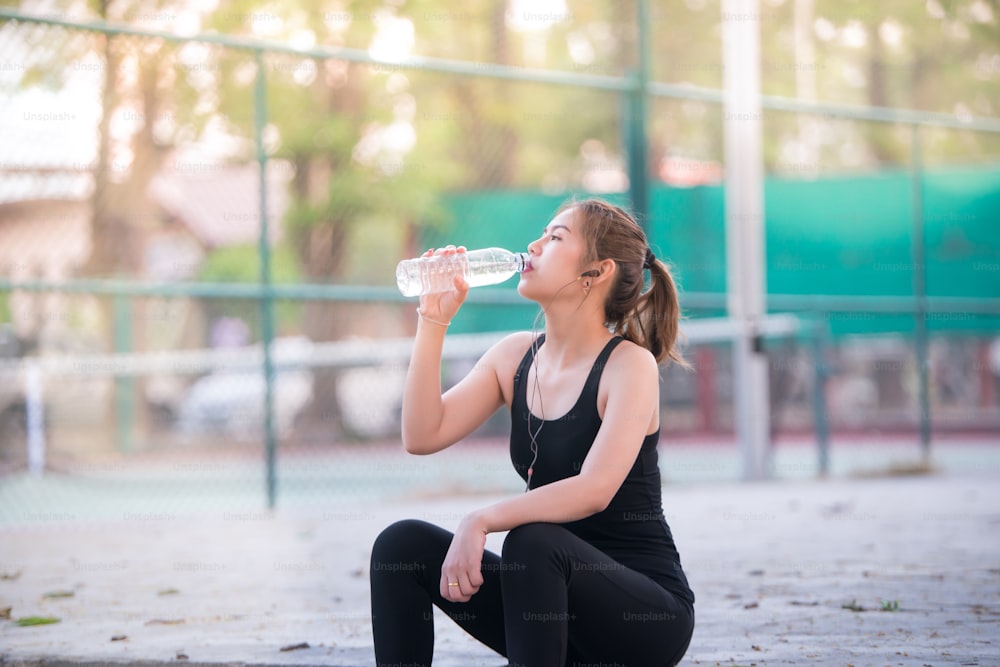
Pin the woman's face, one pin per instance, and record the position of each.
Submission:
(555, 258)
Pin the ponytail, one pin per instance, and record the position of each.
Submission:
(649, 319)
(654, 322)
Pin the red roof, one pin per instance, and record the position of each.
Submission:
(220, 202)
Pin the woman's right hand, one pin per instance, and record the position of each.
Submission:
(442, 306)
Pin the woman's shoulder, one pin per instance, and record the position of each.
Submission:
(630, 357)
(505, 357)
(512, 347)
(516, 344)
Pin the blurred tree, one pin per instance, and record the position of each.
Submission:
(143, 116)
(241, 264)
(686, 43)
(343, 127)
(504, 134)
(938, 55)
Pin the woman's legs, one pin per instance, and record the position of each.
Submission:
(405, 574)
(566, 601)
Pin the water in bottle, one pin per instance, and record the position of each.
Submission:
(488, 266)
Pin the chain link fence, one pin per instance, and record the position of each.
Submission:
(137, 288)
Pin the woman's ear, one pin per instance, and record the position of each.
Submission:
(607, 268)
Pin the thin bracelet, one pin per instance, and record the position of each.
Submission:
(424, 317)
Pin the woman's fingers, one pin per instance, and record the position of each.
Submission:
(447, 250)
(451, 592)
(446, 588)
(465, 589)
(469, 582)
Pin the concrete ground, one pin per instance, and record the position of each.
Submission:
(852, 570)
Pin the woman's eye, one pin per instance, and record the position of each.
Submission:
(554, 237)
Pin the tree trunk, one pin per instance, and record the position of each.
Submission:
(322, 248)
(879, 141)
(506, 137)
(326, 321)
(106, 232)
(119, 210)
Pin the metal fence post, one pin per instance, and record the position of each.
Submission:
(919, 256)
(820, 423)
(267, 300)
(636, 120)
(124, 385)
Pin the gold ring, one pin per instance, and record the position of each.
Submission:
(453, 583)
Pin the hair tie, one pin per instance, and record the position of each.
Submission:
(650, 258)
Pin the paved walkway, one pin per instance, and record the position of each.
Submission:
(786, 573)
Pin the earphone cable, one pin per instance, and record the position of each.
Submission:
(533, 436)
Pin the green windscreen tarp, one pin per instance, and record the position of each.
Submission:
(836, 236)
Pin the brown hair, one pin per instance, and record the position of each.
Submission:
(649, 318)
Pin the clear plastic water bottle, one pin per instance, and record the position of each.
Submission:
(488, 266)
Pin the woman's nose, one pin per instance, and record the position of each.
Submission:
(533, 247)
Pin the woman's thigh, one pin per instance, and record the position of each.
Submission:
(620, 616)
(615, 615)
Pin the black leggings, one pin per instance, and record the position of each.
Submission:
(551, 599)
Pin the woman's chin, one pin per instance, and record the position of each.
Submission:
(524, 289)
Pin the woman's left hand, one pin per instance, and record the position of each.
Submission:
(463, 564)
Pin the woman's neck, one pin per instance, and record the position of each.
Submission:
(573, 339)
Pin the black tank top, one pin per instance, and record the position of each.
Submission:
(632, 529)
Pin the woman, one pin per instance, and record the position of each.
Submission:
(589, 572)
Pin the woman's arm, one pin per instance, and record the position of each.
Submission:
(633, 400)
(432, 421)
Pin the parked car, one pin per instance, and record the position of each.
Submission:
(230, 403)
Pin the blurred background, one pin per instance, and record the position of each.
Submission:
(182, 181)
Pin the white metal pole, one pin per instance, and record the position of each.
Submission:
(35, 418)
(744, 201)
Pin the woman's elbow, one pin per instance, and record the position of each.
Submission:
(412, 445)
(600, 504)
(419, 444)
(599, 496)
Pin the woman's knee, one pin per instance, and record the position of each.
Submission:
(399, 537)
(531, 541)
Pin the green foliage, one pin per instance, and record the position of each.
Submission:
(28, 621)
(884, 605)
(59, 594)
(485, 133)
(241, 264)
